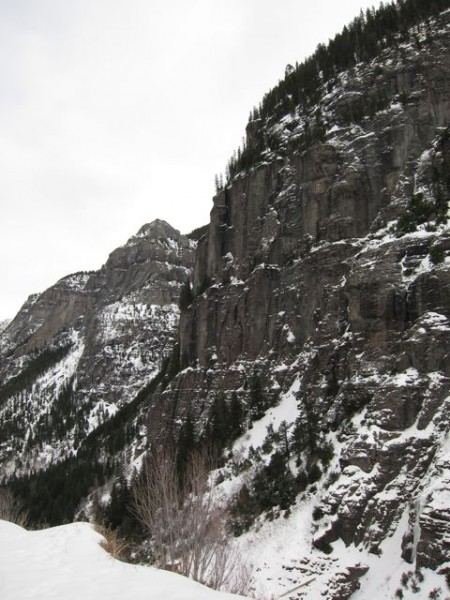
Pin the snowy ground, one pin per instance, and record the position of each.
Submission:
(67, 563)
(280, 553)
(282, 559)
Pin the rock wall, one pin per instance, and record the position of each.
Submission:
(306, 275)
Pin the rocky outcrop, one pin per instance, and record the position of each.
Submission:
(151, 265)
(44, 315)
(296, 250)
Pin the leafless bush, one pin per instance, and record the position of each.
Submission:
(156, 505)
(115, 546)
(230, 572)
(12, 508)
(184, 522)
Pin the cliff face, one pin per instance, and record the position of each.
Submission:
(325, 273)
(80, 351)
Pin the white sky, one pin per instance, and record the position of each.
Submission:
(117, 112)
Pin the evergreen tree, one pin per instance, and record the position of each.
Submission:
(244, 509)
(185, 446)
(284, 445)
(219, 420)
(117, 508)
(275, 485)
(236, 417)
(186, 296)
(257, 398)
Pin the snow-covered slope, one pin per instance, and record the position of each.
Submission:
(68, 563)
(282, 551)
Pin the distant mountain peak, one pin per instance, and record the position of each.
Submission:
(158, 229)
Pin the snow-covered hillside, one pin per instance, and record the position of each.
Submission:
(68, 563)
(280, 552)
(84, 350)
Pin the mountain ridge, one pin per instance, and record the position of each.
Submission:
(319, 313)
(85, 347)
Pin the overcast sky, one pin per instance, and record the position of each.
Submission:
(117, 112)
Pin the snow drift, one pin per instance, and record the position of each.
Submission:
(68, 563)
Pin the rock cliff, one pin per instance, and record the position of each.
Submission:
(325, 275)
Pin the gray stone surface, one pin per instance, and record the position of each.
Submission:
(302, 272)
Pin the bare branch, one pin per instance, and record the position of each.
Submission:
(12, 508)
(186, 526)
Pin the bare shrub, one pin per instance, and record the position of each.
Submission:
(112, 544)
(12, 508)
(156, 505)
(231, 573)
(185, 524)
